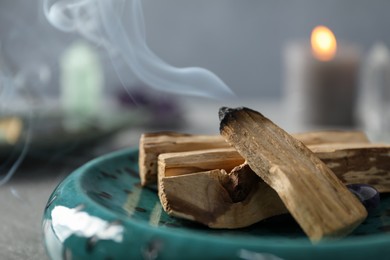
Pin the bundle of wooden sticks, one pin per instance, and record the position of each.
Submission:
(255, 170)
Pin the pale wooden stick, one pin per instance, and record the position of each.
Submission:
(173, 164)
(175, 193)
(314, 196)
(153, 144)
(330, 137)
(358, 163)
(218, 199)
(351, 162)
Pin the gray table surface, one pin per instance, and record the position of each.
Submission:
(23, 198)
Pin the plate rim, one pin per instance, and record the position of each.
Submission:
(280, 243)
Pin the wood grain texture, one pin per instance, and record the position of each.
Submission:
(194, 171)
(219, 199)
(173, 164)
(352, 163)
(153, 144)
(358, 163)
(330, 137)
(312, 193)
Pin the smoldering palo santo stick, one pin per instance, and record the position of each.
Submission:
(314, 196)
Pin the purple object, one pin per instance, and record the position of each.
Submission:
(367, 194)
(160, 106)
(164, 110)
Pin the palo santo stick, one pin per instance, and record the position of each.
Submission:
(183, 163)
(173, 164)
(358, 163)
(330, 137)
(153, 144)
(218, 199)
(314, 196)
(352, 163)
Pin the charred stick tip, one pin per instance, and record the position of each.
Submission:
(222, 112)
(226, 112)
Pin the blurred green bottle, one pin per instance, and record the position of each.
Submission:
(81, 85)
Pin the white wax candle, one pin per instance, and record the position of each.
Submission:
(321, 92)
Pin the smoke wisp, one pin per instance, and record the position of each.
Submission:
(100, 21)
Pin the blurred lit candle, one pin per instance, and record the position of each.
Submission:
(321, 80)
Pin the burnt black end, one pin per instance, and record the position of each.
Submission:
(225, 114)
(223, 111)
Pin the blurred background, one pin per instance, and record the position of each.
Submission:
(260, 49)
(241, 41)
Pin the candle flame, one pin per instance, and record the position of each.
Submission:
(323, 43)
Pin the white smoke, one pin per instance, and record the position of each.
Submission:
(100, 21)
(12, 162)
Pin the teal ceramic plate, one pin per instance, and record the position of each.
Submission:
(101, 212)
